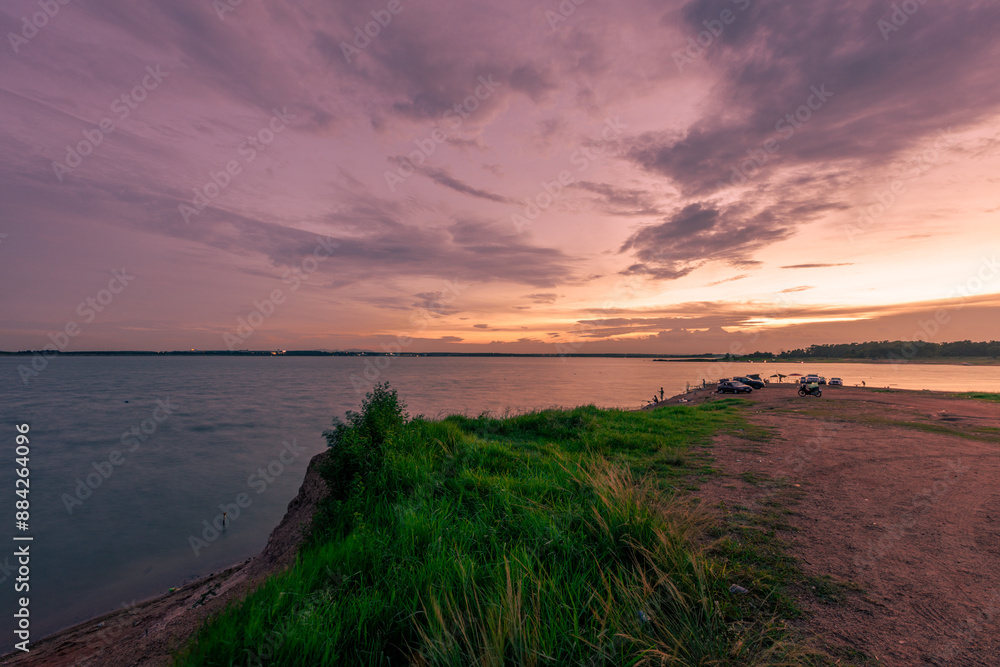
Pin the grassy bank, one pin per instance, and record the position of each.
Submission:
(557, 537)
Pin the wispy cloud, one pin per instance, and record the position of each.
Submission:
(443, 178)
(728, 280)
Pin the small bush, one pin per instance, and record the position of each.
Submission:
(359, 444)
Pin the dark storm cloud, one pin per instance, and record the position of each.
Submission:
(697, 234)
(435, 302)
(215, 52)
(473, 253)
(380, 241)
(616, 200)
(529, 80)
(705, 232)
(885, 94)
(414, 60)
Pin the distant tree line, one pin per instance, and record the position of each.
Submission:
(889, 349)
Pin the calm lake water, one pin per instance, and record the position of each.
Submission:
(209, 429)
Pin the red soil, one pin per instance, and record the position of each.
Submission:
(911, 513)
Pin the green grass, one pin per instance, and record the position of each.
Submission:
(752, 544)
(980, 396)
(930, 427)
(551, 538)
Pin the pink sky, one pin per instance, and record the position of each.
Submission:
(575, 176)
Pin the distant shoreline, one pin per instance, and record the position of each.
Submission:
(707, 357)
(355, 353)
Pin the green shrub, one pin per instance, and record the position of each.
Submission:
(359, 444)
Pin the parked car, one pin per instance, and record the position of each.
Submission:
(822, 380)
(836, 382)
(806, 379)
(732, 387)
(750, 382)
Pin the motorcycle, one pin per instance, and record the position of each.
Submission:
(814, 391)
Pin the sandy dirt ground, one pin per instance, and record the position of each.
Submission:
(147, 633)
(900, 494)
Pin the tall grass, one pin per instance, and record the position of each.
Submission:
(530, 540)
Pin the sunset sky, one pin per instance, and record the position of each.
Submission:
(575, 176)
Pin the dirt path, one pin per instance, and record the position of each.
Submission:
(901, 496)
